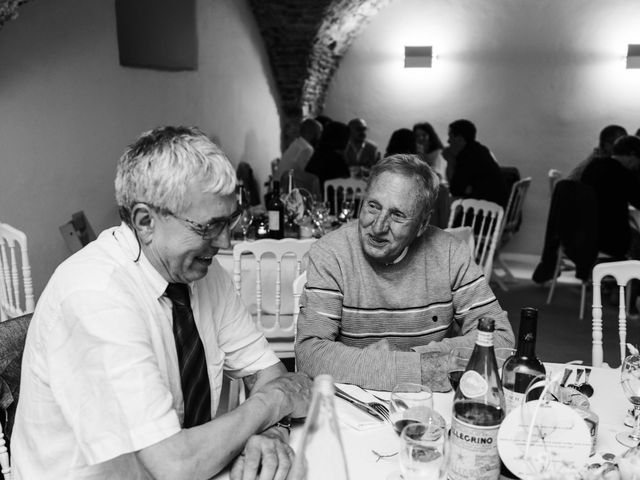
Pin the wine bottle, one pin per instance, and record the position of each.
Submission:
(275, 212)
(320, 452)
(520, 369)
(478, 410)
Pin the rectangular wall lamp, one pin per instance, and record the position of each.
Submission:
(418, 57)
(633, 56)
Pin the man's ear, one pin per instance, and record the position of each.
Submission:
(143, 220)
(424, 225)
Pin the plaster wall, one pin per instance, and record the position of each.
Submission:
(68, 110)
(538, 78)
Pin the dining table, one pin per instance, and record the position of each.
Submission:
(370, 445)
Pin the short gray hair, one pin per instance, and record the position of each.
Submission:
(160, 166)
(411, 166)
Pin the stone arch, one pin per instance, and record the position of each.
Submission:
(305, 41)
(9, 10)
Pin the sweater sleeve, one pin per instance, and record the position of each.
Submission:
(472, 299)
(318, 350)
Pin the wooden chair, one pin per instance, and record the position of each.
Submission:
(277, 264)
(16, 286)
(485, 218)
(5, 464)
(510, 225)
(622, 272)
(342, 188)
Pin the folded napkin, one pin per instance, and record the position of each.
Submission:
(352, 416)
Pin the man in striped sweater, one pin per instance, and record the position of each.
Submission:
(389, 296)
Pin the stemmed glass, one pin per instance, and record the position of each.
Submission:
(346, 210)
(245, 222)
(630, 380)
(319, 213)
(423, 452)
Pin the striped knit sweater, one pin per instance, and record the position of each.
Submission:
(429, 302)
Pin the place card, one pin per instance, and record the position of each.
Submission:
(560, 439)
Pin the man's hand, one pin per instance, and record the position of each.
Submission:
(294, 390)
(266, 456)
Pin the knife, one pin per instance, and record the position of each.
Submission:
(357, 403)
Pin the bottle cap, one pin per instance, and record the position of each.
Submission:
(486, 324)
(324, 384)
(529, 312)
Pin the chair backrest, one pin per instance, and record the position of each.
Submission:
(554, 175)
(5, 464)
(342, 188)
(270, 270)
(513, 213)
(298, 287)
(16, 286)
(622, 272)
(485, 218)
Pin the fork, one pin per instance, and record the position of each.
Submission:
(381, 409)
(384, 401)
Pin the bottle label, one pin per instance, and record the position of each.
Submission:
(274, 220)
(512, 399)
(474, 452)
(484, 339)
(473, 385)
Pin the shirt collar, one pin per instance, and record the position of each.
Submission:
(126, 237)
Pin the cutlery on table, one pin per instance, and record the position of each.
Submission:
(565, 376)
(374, 409)
(577, 383)
(384, 401)
(585, 387)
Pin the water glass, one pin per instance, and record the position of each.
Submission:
(412, 403)
(458, 359)
(630, 380)
(423, 452)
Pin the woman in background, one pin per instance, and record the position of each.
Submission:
(429, 147)
(401, 141)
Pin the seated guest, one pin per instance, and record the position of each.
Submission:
(401, 141)
(389, 296)
(608, 136)
(327, 162)
(615, 188)
(472, 170)
(360, 153)
(125, 354)
(429, 147)
(297, 155)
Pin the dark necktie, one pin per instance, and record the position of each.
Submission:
(191, 358)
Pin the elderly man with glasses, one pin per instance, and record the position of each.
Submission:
(125, 355)
(387, 297)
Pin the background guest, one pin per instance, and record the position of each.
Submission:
(328, 161)
(608, 137)
(297, 155)
(429, 147)
(472, 170)
(401, 141)
(360, 153)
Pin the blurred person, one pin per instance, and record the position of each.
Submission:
(298, 154)
(472, 170)
(328, 162)
(401, 141)
(125, 355)
(608, 137)
(389, 296)
(360, 153)
(616, 186)
(324, 120)
(429, 147)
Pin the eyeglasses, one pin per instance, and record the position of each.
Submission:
(212, 229)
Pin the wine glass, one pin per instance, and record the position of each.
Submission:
(412, 403)
(319, 213)
(346, 210)
(630, 380)
(245, 222)
(423, 452)
(458, 359)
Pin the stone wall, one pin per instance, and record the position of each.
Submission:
(9, 10)
(305, 41)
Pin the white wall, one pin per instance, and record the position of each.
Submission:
(68, 109)
(539, 78)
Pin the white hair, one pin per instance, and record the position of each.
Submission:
(162, 165)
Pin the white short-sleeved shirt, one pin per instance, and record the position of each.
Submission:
(100, 376)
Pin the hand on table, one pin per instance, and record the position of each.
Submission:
(295, 393)
(266, 456)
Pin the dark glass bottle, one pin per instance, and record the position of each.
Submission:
(478, 411)
(275, 212)
(520, 369)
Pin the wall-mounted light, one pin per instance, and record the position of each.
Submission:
(418, 57)
(633, 56)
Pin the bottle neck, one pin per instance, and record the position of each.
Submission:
(484, 339)
(527, 337)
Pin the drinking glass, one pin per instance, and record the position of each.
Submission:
(319, 213)
(346, 210)
(630, 380)
(245, 222)
(458, 359)
(423, 452)
(412, 403)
